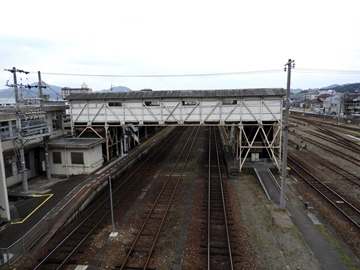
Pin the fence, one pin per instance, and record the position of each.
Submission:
(10, 255)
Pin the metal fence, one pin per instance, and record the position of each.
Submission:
(10, 255)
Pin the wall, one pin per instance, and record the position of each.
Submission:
(174, 111)
(92, 161)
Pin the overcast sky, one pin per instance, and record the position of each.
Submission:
(112, 37)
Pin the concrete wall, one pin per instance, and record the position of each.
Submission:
(92, 157)
(4, 203)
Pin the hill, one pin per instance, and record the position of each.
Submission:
(117, 89)
(52, 90)
(350, 87)
(340, 88)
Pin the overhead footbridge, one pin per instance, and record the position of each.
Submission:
(252, 117)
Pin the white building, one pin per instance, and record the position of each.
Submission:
(74, 156)
(333, 104)
(65, 91)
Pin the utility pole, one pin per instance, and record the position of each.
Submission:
(288, 66)
(45, 138)
(23, 169)
(24, 119)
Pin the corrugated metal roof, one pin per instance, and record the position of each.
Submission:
(224, 93)
(76, 142)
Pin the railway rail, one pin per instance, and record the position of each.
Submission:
(63, 254)
(350, 129)
(351, 159)
(343, 206)
(353, 178)
(139, 253)
(219, 248)
(337, 140)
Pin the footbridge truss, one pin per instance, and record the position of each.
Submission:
(253, 117)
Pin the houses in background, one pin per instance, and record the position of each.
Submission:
(327, 102)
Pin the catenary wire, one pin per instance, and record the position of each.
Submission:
(165, 75)
(326, 71)
(297, 70)
(48, 86)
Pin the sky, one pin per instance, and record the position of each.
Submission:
(231, 44)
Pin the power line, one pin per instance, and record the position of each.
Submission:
(166, 75)
(48, 86)
(298, 70)
(326, 71)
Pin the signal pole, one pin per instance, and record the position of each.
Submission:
(288, 66)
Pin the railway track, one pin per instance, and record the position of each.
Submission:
(353, 178)
(98, 214)
(337, 140)
(348, 129)
(352, 159)
(139, 252)
(219, 248)
(344, 207)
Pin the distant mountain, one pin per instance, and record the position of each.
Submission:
(340, 88)
(295, 91)
(52, 90)
(117, 89)
(330, 87)
(349, 87)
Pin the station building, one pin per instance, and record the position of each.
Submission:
(24, 133)
(35, 126)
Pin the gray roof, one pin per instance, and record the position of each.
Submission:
(75, 142)
(225, 93)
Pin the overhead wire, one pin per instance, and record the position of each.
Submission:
(297, 70)
(326, 71)
(48, 86)
(165, 75)
(27, 89)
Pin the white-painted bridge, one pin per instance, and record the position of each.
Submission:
(255, 115)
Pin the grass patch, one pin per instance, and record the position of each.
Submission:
(335, 244)
(279, 210)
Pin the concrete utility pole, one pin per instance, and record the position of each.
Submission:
(288, 66)
(23, 169)
(45, 138)
(35, 132)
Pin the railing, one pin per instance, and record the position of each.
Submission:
(11, 254)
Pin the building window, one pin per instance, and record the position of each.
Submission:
(152, 103)
(27, 161)
(189, 102)
(115, 104)
(229, 101)
(8, 167)
(4, 130)
(77, 158)
(56, 157)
